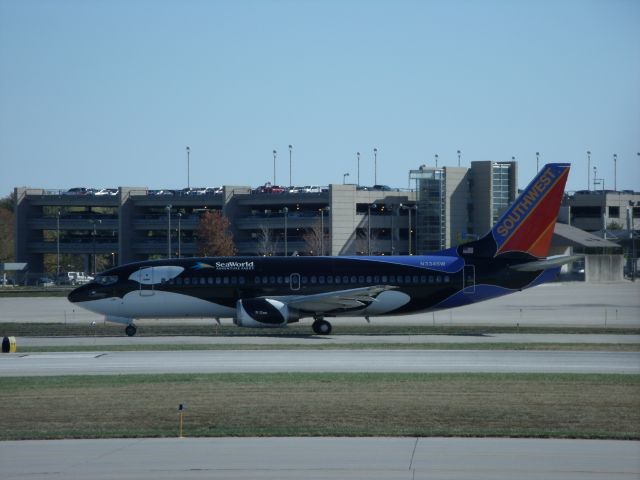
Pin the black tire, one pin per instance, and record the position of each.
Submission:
(321, 327)
(130, 330)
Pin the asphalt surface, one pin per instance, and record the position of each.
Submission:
(328, 340)
(555, 304)
(347, 360)
(576, 304)
(321, 458)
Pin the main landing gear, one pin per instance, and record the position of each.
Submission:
(130, 330)
(321, 326)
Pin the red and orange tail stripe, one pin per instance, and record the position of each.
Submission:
(528, 224)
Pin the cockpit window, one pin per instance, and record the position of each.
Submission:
(106, 279)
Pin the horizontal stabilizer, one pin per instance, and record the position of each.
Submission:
(551, 262)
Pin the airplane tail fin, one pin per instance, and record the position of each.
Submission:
(527, 225)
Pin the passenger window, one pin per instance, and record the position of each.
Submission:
(438, 279)
(314, 279)
(305, 279)
(234, 280)
(447, 279)
(430, 278)
(225, 280)
(415, 279)
(407, 279)
(385, 279)
(369, 279)
(179, 281)
(256, 280)
(361, 279)
(187, 281)
(376, 279)
(280, 280)
(338, 279)
(265, 280)
(272, 279)
(423, 279)
(353, 279)
(242, 280)
(345, 279)
(392, 279)
(329, 279)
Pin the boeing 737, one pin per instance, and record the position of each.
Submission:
(275, 291)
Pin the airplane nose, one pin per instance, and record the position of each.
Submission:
(82, 294)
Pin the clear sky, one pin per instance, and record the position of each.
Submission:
(109, 93)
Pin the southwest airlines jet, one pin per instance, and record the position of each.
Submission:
(275, 291)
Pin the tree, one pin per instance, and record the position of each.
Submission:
(6, 235)
(9, 202)
(214, 236)
(313, 238)
(267, 244)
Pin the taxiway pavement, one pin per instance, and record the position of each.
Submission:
(308, 360)
(321, 458)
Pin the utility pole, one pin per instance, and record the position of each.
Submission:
(275, 154)
(375, 166)
(290, 150)
(588, 170)
(188, 167)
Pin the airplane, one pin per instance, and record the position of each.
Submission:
(258, 292)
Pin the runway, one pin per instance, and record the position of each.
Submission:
(309, 360)
(321, 458)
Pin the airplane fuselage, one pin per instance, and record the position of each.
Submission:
(212, 287)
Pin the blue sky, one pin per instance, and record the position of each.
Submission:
(109, 93)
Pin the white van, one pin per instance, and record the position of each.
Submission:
(76, 278)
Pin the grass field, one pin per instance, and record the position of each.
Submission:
(299, 404)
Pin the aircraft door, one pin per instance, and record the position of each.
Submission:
(146, 280)
(294, 281)
(469, 279)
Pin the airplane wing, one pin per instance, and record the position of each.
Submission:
(340, 299)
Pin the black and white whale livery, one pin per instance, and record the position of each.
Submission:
(276, 291)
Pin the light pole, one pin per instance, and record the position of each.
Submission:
(436, 156)
(58, 247)
(375, 166)
(286, 214)
(588, 170)
(113, 259)
(168, 209)
(275, 154)
(322, 210)
(537, 162)
(358, 179)
(459, 153)
(93, 222)
(344, 178)
(369, 226)
(290, 151)
(409, 208)
(179, 228)
(188, 167)
(615, 172)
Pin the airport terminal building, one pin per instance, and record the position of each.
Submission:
(443, 207)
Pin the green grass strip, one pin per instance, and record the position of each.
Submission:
(322, 404)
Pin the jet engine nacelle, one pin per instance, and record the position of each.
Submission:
(262, 313)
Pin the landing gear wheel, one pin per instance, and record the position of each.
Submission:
(321, 327)
(130, 330)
